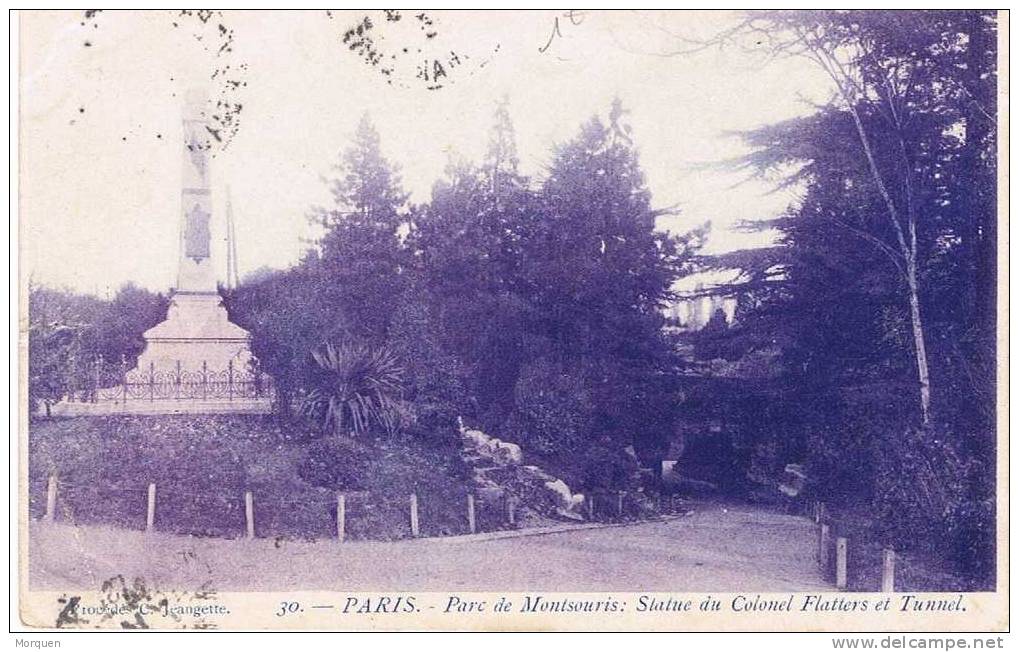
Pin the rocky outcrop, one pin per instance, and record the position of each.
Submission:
(498, 466)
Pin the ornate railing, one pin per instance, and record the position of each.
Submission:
(121, 385)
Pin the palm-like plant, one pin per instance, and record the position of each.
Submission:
(355, 388)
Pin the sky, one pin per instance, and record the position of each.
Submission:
(101, 99)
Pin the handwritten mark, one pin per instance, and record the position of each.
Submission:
(576, 18)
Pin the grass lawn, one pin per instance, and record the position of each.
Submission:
(203, 464)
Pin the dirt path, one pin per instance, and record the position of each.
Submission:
(715, 549)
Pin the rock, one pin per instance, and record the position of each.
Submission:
(507, 453)
(476, 437)
(795, 480)
(537, 473)
(563, 496)
(561, 491)
(489, 447)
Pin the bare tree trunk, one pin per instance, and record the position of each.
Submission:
(918, 342)
(909, 253)
(907, 249)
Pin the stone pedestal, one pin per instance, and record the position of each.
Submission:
(196, 331)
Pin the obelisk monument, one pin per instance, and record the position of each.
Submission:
(197, 335)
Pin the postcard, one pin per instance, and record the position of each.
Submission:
(545, 320)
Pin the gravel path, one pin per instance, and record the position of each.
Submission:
(715, 549)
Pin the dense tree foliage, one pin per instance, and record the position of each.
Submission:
(877, 303)
(532, 307)
(359, 252)
(69, 334)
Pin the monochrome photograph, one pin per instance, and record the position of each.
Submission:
(512, 320)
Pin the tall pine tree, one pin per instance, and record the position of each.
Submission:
(361, 254)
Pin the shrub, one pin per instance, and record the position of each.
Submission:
(434, 378)
(606, 468)
(553, 411)
(355, 388)
(931, 495)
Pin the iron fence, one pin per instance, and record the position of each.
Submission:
(120, 385)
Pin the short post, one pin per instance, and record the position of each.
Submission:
(152, 381)
(590, 507)
(414, 530)
(150, 512)
(177, 380)
(341, 517)
(619, 504)
(99, 370)
(823, 546)
(123, 376)
(72, 385)
(511, 510)
(888, 571)
(840, 563)
(472, 524)
(230, 380)
(51, 499)
(205, 380)
(249, 513)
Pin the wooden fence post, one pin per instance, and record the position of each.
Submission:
(123, 376)
(99, 380)
(341, 517)
(249, 513)
(472, 524)
(823, 546)
(840, 562)
(888, 571)
(619, 504)
(51, 499)
(150, 512)
(511, 516)
(590, 507)
(414, 531)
